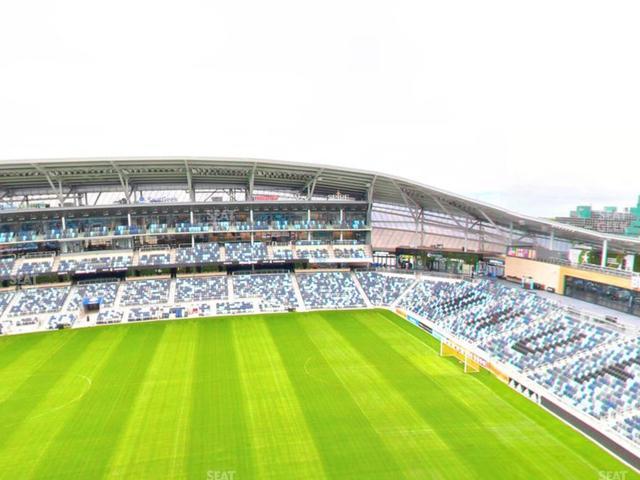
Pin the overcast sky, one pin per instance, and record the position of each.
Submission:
(534, 106)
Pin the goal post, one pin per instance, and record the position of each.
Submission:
(470, 365)
(449, 349)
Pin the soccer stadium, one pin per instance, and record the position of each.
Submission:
(230, 318)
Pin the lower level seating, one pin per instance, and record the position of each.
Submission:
(383, 289)
(329, 290)
(605, 381)
(555, 337)
(630, 428)
(109, 316)
(197, 289)
(275, 291)
(101, 292)
(139, 314)
(145, 292)
(58, 320)
(32, 301)
(5, 298)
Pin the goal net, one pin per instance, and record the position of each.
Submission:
(449, 350)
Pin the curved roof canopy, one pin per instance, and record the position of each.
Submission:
(19, 177)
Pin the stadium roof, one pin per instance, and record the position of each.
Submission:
(62, 176)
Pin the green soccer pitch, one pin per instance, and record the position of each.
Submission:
(352, 394)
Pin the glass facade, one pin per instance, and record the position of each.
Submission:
(616, 298)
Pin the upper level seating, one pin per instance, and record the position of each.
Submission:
(153, 259)
(32, 301)
(196, 289)
(548, 341)
(281, 252)
(245, 252)
(235, 307)
(630, 428)
(145, 292)
(93, 291)
(26, 236)
(157, 228)
(35, 266)
(329, 290)
(276, 290)
(383, 289)
(350, 251)
(604, 381)
(199, 253)
(97, 231)
(95, 263)
(6, 237)
(6, 266)
(192, 227)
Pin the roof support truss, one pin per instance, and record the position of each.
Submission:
(190, 189)
(310, 186)
(124, 182)
(57, 190)
(252, 176)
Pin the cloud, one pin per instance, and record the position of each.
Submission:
(535, 107)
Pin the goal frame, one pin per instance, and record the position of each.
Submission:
(450, 349)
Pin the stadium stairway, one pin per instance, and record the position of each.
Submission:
(364, 296)
(296, 289)
(172, 292)
(55, 264)
(230, 294)
(68, 300)
(14, 299)
(407, 291)
(618, 416)
(119, 293)
(14, 268)
(135, 258)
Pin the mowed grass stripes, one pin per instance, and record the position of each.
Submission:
(357, 394)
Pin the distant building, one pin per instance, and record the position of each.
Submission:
(607, 220)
